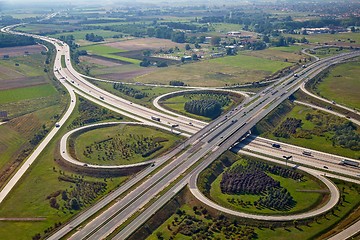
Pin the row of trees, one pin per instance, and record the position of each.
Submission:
(129, 91)
(10, 40)
(93, 38)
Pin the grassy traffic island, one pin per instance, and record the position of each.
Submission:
(246, 184)
(184, 217)
(203, 105)
(120, 144)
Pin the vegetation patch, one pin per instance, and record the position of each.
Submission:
(202, 105)
(90, 113)
(339, 81)
(252, 186)
(129, 91)
(121, 144)
(13, 95)
(303, 126)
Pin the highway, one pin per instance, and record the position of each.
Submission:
(217, 140)
(207, 144)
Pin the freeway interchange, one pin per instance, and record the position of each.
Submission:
(182, 165)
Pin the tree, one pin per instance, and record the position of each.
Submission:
(187, 47)
(215, 41)
(266, 38)
(178, 37)
(74, 204)
(352, 29)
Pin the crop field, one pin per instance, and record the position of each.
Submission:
(217, 72)
(42, 181)
(297, 190)
(291, 55)
(307, 135)
(21, 51)
(18, 94)
(82, 33)
(343, 80)
(122, 144)
(108, 52)
(144, 43)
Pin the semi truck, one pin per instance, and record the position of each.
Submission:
(350, 163)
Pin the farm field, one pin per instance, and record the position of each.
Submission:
(343, 80)
(21, 51)
(308, 134)
(122, 144)
(108, 52)
(46, 178)
(144, 43)
(217, 72)
(14, 95)
(291, 54)
(297, 189)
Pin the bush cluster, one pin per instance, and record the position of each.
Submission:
(129, 91)
(287, 128)
(206, 107)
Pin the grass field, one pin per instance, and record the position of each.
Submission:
(217, 72)
(80, 35)
(290, 55)
(342, 81)
(304, 200)
(108, 52)
(320, 143)
(124, 133)
(32, 190)
(13, 95)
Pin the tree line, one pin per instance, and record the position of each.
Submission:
(11, 40)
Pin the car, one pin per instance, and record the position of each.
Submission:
(57, 124)
(190, 124)
(326, 167)
(153, 164)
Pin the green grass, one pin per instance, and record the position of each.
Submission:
(122, 132)
(324, 224)
(10, 141)
(31, 191)
(29, 66)
(323, 143)
(78, 35)
(312, 231)
(305, 200)
(13, 95)
(108, 52)
(342, 81)
(177, 104)
(251, 63)
(63, 61)
(292, 48)
(226, 27)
